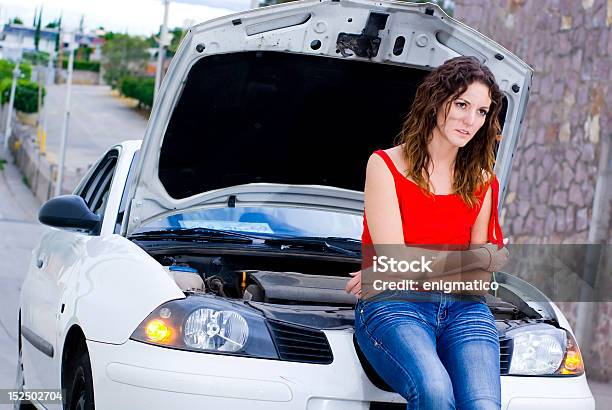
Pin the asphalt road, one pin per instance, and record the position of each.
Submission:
(98, 120)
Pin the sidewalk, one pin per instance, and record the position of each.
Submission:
(19, 232)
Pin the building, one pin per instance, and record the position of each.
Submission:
(15, 36)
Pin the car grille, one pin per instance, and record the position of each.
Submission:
(300, 344)
(505, 354)
(378, 405)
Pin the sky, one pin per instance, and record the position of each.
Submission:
(131, 16)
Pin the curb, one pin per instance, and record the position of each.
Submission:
(39, 173)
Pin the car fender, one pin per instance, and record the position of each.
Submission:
(563, 322)
(117, 286)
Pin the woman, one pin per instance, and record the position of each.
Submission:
(438, 350)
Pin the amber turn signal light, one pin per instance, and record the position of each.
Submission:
(157, 331)
(572, 363)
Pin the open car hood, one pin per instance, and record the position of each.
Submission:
(284, 104)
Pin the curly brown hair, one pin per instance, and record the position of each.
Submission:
(444, 84)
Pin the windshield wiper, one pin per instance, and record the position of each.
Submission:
(191, 234)
(346, 246)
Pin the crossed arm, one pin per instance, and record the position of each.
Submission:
(385, 227)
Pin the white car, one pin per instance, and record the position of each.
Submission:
(206, 268)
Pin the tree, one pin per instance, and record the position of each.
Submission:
(59, 49)
(109, 35)
(17, 20)
(123, 55)
(53, 24)
(446, 5)
(177, 34)
(59, 32)
(80, 49)
(37, 32)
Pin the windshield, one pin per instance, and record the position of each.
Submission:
(265, 221)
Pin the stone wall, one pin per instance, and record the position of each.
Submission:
(552, 189)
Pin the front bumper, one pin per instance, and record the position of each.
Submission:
(137, 375)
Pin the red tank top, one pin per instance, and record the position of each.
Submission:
(437, 220)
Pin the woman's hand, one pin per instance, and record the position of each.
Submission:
(354, 285)
(497, 257)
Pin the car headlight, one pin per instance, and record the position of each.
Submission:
(221, 330)
(544, 350)
(206, 324)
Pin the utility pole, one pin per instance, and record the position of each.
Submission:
(60, 57)
(43, 133)
(60, 173)
(163, 35)
(39, 70)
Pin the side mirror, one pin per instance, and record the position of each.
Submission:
(69, 212)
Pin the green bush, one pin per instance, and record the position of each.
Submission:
(7, 67)
(26, 94)
(139, 88)
(83, 65)
(5, 89)
(36, 57)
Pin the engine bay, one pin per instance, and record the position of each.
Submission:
(282, 280)
(274, 279)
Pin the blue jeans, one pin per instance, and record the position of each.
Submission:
(439, 351)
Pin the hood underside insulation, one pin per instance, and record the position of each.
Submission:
(282, 118)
